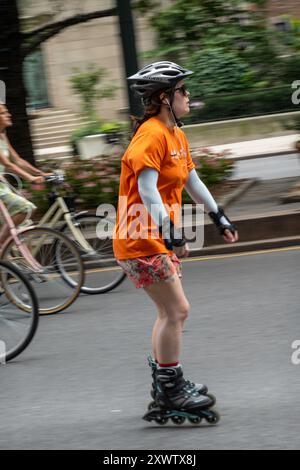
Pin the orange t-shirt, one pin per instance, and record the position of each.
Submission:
(153, 146)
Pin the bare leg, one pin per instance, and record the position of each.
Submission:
(5, 233)
(173, 309)
(157, 327)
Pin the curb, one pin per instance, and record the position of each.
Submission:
(256, 231)
(225, 201)
(243, 247)
(264, 155)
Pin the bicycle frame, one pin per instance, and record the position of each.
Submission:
(14, 234)
(60, 210)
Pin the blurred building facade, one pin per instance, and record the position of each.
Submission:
(48, 71)
(282, 7)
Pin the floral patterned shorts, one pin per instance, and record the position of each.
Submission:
(15, 204)
(151, 269)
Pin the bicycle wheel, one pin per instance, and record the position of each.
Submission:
(17, 326)
(102, 273)
(53, 292)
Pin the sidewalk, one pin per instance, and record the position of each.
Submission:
(274, 146)
(264, 219)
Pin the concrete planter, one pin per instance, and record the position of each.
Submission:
(92, 146)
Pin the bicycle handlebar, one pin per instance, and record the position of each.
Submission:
(56, 178)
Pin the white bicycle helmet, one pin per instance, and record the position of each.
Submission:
(157, 76)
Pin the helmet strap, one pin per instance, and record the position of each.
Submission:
(177, 121)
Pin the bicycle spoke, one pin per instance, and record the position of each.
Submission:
(17, 325)
(53, 292)
(101, 269)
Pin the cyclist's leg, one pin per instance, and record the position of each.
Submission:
(5, 232)
(173, 306)
(19, 209)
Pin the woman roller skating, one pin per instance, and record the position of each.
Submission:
(156, 167)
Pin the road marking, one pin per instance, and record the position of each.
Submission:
(212, 257)
(238, 255)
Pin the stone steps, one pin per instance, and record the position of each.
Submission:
(51, 130)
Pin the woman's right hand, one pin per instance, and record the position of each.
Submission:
(37, 180)
(182, 251)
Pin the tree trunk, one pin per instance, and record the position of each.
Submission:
(11, 72)
(32, 40)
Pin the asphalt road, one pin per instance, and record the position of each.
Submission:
(84, 382)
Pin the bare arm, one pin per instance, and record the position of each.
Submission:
(13, 168)
(23, 164)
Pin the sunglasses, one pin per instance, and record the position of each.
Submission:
(183, 90)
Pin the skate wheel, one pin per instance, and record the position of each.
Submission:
(178, 420)
(213, 418)
(161, 420)
(196, 420)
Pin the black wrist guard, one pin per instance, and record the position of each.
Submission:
(216, 218)
(170, 235)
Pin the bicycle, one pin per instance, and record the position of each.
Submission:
(45, 257)
(17, 327)
(92, 235)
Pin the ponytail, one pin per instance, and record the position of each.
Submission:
(152, 108)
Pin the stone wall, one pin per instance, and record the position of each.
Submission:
(96, 42)
(281, 7)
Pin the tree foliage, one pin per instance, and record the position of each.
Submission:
(232, 30)
(219, 71)
(88, 84)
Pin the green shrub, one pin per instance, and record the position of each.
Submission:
(252, 103)
(213, 167)
(95, 128)
(92, 182)
(217, 71)
(96, 181)
(88, 85)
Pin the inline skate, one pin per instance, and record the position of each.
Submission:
(174, 401)
(189, 386)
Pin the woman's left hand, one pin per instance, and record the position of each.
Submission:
(229, 237)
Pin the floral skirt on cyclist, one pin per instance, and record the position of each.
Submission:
(151, 269)
(14, 203)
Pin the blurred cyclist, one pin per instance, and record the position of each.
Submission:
(156, 167)
(11, 162)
